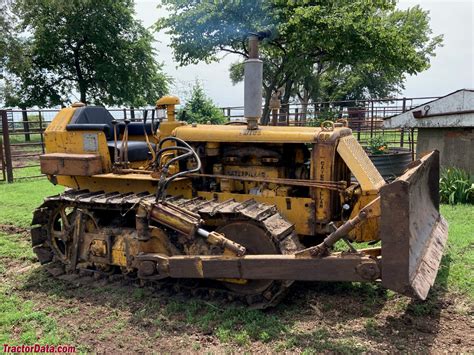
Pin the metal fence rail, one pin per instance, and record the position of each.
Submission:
(22, 131)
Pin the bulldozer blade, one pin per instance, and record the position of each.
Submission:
(412, 231)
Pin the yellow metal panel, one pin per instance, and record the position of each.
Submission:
(323, 166)
(75, 142)
(237, 133)
(61, 120)
(124, 183)
(299, 210)
(368, 230)
(360, 164)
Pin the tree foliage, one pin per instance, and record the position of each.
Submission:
(200, 109)
(319, 49)
(94, 48)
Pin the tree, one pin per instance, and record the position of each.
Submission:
(313, 42)
(6, 33)
(7, 41)
(94, 48)
(200, 109)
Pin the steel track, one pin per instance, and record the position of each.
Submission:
(267, 217)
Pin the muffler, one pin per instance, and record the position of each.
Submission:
(413, 233)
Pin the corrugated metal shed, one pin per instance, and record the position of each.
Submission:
(453, 110)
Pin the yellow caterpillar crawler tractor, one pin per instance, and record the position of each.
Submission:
(250, 208)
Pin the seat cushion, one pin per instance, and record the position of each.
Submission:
(136, 128)
(92, 118)
(92, 115)
(97, 118)
(137, 150)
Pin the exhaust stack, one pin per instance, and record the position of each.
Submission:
(253, 78)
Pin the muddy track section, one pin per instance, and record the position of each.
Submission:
(214, 213)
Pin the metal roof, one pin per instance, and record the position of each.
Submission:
(453, 110)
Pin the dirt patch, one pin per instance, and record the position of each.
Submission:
(336, 317)
(10, 229)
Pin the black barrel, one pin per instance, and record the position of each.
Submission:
(393, 164)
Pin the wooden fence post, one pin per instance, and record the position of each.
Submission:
(40, 117)
(6, 145)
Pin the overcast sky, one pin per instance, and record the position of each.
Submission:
(451, 69)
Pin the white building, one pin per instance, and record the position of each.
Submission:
(445, 124)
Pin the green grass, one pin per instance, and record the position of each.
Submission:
(22, 323)
(15, 246)
(233, 324)
(20, 173)
(457, 268)
(20, 138)
(21, 320)
(19, 200)
(320, 341)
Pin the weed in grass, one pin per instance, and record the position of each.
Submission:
(423, 308)
(139, 316)
(118, 326)
(371, 327)
(138, 294)
(320, 340)
(232, 324)
(241, 338)
(68, 311)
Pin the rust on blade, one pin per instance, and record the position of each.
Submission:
(425, 275)
(414, 234)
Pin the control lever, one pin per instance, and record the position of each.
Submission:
(185, 151)
(116, 153)
(124, 146)
(150, 147)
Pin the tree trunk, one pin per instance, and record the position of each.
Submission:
(83, 94)
(80, 78)
(285, 108)
(266, 108)
(304, 100)
(26, 125)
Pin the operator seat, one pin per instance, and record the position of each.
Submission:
(96, 118)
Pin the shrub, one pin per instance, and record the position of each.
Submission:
(377, 145)
(326, 114)
(200, 109)
(456, 186)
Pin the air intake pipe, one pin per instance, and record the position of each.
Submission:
(253, 78)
